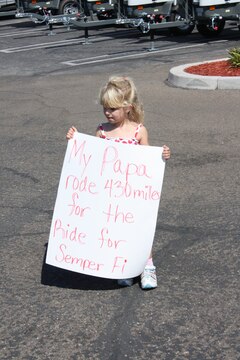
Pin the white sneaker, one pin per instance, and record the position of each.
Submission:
(149, 278)
(125, 282)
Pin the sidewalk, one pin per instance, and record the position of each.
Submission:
(179, 78)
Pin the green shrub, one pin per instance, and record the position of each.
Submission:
(234, 55)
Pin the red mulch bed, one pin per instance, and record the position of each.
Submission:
(216, 68)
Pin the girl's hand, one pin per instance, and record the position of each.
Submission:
(71, 132)
(166, 152)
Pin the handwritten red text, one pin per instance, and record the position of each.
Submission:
(119, 264)
(106, 241)
(66, 233)
(82, 263)
(78, 151)
(77, 209)
(111, 159)
(81, 185)
(118, 189)
(115, 215)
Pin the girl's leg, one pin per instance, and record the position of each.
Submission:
(125, 282)
(148, 277)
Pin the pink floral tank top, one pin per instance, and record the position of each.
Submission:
(132, 141)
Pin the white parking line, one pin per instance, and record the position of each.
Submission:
(91, 59)
(108, 57)
(39, 46)
(218, 41)
(97, 59)
(49, 45)
(19, 33)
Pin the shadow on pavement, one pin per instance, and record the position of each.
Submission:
(54, 276)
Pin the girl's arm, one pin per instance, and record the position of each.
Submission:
(166, 152)
(98, 132)
(143, 136)
(144, 141)
(71, 132)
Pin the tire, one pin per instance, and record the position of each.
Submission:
(183, 30)
(69, 7)
(207, 31)
(179, 14)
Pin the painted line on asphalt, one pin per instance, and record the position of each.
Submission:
(46, 29)
(19, 33)
(47, 45)
(96, 38)
(111, 57)
(40, 46)
(218, 41)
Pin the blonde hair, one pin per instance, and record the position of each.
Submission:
(119, 92)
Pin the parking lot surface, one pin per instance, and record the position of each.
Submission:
(49, 83)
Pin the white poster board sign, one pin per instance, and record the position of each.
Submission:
(106, 208)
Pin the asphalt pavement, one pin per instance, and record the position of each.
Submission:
(49, 313)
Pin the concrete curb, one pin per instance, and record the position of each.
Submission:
(179, 78)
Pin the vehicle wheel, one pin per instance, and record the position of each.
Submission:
(69, 7)
(208, 31)
(180, 15)
(183, 30)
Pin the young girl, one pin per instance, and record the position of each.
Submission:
(124, 124)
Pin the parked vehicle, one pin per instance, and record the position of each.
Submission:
(7, 7)
(211, 15)
(208, 15)
(55, 6)
(172, 14)
(180, 16)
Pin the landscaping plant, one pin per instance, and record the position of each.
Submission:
(234, 55)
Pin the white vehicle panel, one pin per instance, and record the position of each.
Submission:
(144, 2)
(6, 2)
(216, 2)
